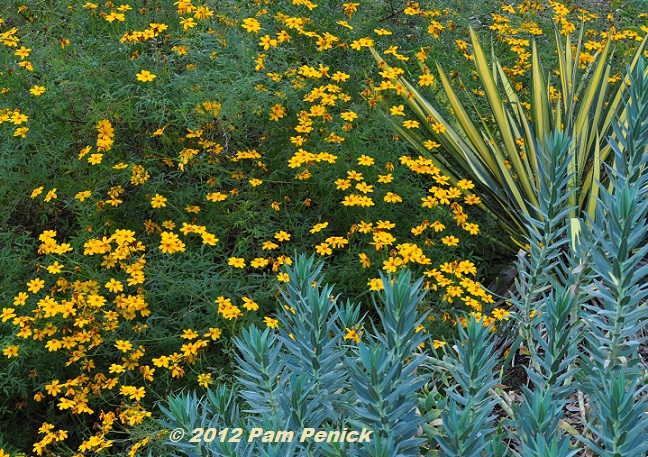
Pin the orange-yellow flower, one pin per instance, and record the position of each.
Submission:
(397, 110)
(450, 240)
(123, 345)
(425, 80)
(365, 160)
(318, 227)
(158, 201)
(236, 262)
(282, 236)
(35, 285)
(251, 25)
(10, 351)
(37, 90)
(145, 76)
(352, 334)
(250, 304)
(438, 128)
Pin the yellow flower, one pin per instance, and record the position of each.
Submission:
(95, 159)
(465, 184)
(51, 195)
(53, 388)
(410, 124)
(342, 184)
(216, 196)
(425, 80)
(18, 118)
(250, 304)
(145, 76)
(35, 285)
(20, 299)
(158, 201)
(364, 260)
(391, 197)
(323, 249)
(352, 174)
(398, 110)
(269, 246)
(391, 264)
(188, 23)
(471, 228)
(213, 333)
(22, 52)
(36, 192)
(438, 226)
(81, 196)
(84, 151)
(365, 160)
(55, 268)
(438, 128)
(189, 334)
(123, 345)
(270, 322)
(11, 351)
(114, 286)
(259, 262)
(472, 200)
(352, 334)
(209, 238)
(8, 313)
(438, 344)
(375, 284)
(66, 403)
(500, 313)
(364, 187)
(318, 227)
(26, 64)
(147, 372)
(53, 345)
(429, 144)
(251, 25)
(37, 90)
(236, 262)
(21, 132)
(205, 379)
(450, 240)
(282, 236)
(115, 17)
(134, 393)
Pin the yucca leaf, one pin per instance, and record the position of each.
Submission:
(497, 106)
(540, 107)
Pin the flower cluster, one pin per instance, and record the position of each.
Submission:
(194, 187)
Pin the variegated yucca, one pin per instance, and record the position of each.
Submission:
(502, 156)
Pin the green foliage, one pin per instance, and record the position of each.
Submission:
(308, 375)
(497, 147)
(580, 311)
(247, 141)
(468, 408)
(202, 127)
